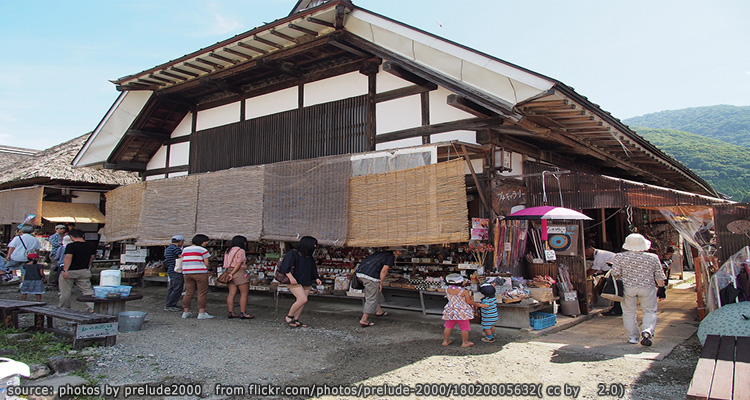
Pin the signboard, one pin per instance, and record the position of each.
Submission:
(480, 228)
(563, 239)
(133, 254)
(506, 194)
(84, 331)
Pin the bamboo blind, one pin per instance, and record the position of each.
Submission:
(123, 212)
(425, 205)
(230, 203)
(307, 198)
(16, 204)
(169, 208)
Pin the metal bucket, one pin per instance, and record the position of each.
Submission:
(130, 321)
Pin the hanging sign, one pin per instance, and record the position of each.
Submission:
(563, 239)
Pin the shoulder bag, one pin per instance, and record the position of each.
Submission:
(613, 288)
(282, 278)
(356, 283)
(178, 264)
(226, 275)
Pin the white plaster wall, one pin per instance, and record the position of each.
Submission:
(387, 81)
(218, 116)
(271, 103)
(86, 197)
(155, 177)
(159, 160)
(415, 141)
(184, 127)
(440, 111)
(179, 154)
(176, 174)
(464, 136)
(335, 88)
(394, 115)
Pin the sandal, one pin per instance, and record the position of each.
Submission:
(232, 315)
(382, 315)
(300, 324)
(366, 325)
(246, 316)
(292, 322)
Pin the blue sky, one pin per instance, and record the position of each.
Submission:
(630, 57)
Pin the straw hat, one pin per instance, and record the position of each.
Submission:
(636, 242)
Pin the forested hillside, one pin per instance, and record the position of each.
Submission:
(730, 124)
(725, 166)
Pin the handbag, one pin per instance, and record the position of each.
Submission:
(178, 264)
(226, 276)
(613, 288)
(282, 278)
(356, 283)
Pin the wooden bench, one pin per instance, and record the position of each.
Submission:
(88, 327)
(723, 370)
(9, 311)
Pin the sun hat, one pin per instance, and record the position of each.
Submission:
(454, 278)
(60, 226)
(32, 256)
(636, 242)
(178, 238)
(27, 229)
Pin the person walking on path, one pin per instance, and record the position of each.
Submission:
(176, 283)
(641, 273)
(19, 247)
(79, 255)
(299, 265)
(235, 262)
(195, 272)
(371, 272)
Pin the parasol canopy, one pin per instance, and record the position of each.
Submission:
(547, 212)
(729, 320)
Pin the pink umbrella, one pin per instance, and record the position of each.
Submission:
(547, 212)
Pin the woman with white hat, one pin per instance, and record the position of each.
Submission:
(641, 273)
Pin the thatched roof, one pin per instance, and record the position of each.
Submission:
(10, 155)
(54, 165)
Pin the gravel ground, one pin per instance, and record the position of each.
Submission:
(402, 349)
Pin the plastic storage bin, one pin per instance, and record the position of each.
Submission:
(110, 277)
(539, 320)
(103, 291)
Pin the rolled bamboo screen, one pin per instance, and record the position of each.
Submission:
(169, 208)
(123, 212)
(16, 204)
(307, 198)
(230, 203)
(425, 205)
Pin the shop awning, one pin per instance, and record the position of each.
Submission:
(85, 213)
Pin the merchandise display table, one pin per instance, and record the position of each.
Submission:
(109, 306)
(9, 311)
(431, 310)
(516, 315)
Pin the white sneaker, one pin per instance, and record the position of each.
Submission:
(633, 341)
(205, 315)
(187, 314)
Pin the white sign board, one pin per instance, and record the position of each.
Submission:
(550, 255)
(103, 329)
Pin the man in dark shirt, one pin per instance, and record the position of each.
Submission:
(371, 272)
(78, 258)
(176, 282)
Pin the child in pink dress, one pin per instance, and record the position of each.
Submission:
(459, 310)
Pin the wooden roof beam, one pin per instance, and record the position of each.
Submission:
(238, 53)
(464, 124)
(397, 71)
(221, 85)
(209, 63)
(222, 58)
(469, 106)
(158, 78)
(198, 67)
(171, 75)
(283, 36)
(183, 71)
(303, 30)
(268, 42)
(253, 48)
(549, 103)
(320, 22)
